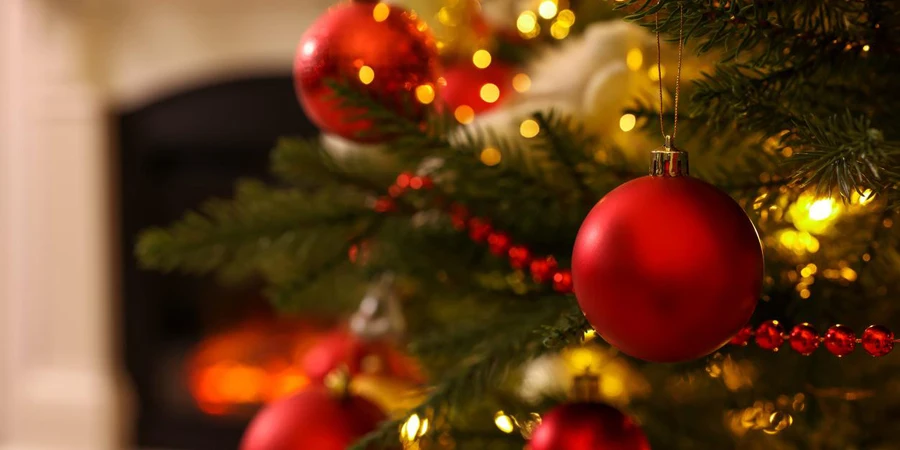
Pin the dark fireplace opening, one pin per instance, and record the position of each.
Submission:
(174, 154)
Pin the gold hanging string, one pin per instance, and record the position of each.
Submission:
(670, 139)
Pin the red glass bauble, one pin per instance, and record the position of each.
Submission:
(770, 335)
(383, 50)
(465, 83)
(314, 418)
(840, 340)
(587, 426)
(878, 340)
(742, 337)
(519, 256)
(804, 339)
(542, 269)
(345, 350)
(667, 268)
(498, 243)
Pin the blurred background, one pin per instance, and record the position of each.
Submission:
(116, 115)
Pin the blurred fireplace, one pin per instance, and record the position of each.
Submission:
(175, 153)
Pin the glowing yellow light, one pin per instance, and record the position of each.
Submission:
(464, 114)
(521, 82)
(381, 12)
(821, 209)
(866, 257)
(581, 358)
(445, 17)
(366, 74)
(559, 31)
(481, 59)
(627, 122)
(425, 94)
(547, 9)
(864, 198)
(611, 386)
(805, 293)
(529, 129)
(411, 428)
(490, 92)
(503, 422)
(798, 242)
(634, 59)
(490, 156)
(654, 72)
(848, 274)
(590, 335)
(527, 22)
(866, 47)
(566, 17)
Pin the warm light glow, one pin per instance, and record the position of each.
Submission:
(566, 17)
(490, 92)
(848, 274)
(866, 47)
(559, 31)
(425, 94)
(821, 209)
(481, 58)
(445, 17)
(798, 242)
(529, 129)
(464, 114)
(627, 122)
(366, 74)
(654, 72)
(490, 156)
(504, 422)
(547, 9)
(527, 22)
(412, 427)
(381, 12)
(521, 82)
(634, 59)
(590, 335)
(864, 198)
(610, 386)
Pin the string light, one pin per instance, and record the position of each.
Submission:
(366, 74)
(464, 114)
(635, 59)
(627, 122)
(527, 22)
(547, 9)
(490, 156)
(558, 30)
(481, 59)
(425, 94)
(504, 422)
(529, 129)
(521, 82)
(566, 17)
(381, 12)
(654, 72)
(864, 198)
(866, 47)
(490, 92)
(414, 428)
(821, 209)
(813, 215)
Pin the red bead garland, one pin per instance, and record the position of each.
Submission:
(519, 256)
(498, 243)
(562, 281)
(479, 229)
(769, 335)
(804, 339)
(743, 336)
(542, 269)
(840, 340)
(877, 340)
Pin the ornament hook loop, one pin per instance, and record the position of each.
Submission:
(669, 161)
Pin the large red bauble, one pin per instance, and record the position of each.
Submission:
(314, 418)
(667, 268)
(344, 350)
(465, 83)
(587, 426)
(383, 50)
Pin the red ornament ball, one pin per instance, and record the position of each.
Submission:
(770, 335)
(804, 339)
(840, 340)
(742, 337)
(587, 426)
(478, 89)
(314, 418)
(667, 268)
(382, 49)
(878, 340)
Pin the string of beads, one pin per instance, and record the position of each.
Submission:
(839, 340)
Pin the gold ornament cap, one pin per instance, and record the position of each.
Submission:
(669, 161)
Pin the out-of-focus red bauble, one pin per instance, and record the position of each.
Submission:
(840, 340)
(465, 83)
(667, 268)
(382, 49)
(314, 418)
(742, 337)
(343, 349)
(587, 426)
(770, 335)
(804, 339)
(878, 340)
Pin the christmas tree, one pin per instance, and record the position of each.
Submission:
(455, 195)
